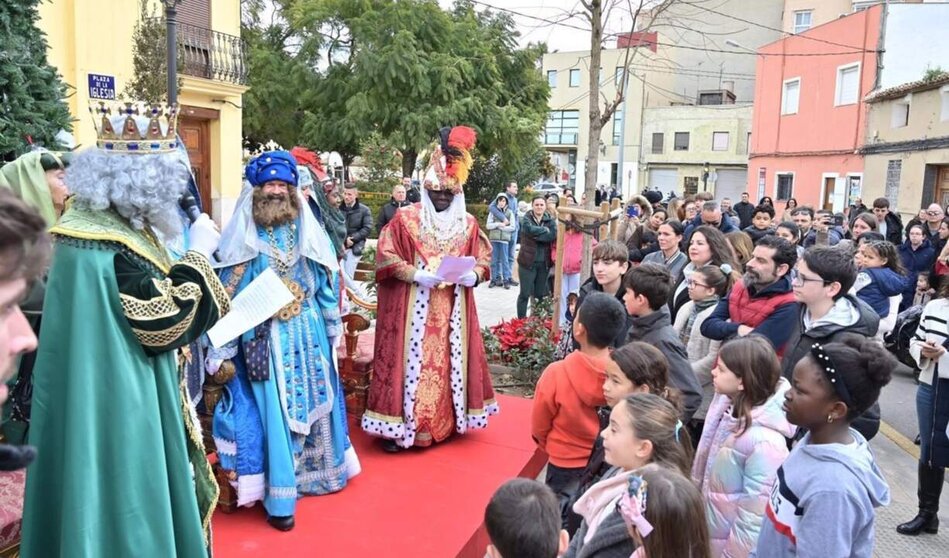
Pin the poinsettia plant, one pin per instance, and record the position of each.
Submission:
(527, 344)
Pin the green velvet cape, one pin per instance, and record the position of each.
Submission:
(120, 469)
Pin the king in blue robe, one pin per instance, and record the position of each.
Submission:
(281, 422)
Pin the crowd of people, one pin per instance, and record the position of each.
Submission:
(737, 359)
(714, 394)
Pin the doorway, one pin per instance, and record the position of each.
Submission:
(194, 126)
(942, 186)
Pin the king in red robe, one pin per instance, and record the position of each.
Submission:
(430, 375)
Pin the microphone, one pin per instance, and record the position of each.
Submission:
(190, 206)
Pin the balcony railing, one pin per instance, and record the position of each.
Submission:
(210, 54)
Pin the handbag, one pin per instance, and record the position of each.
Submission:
(257, 354)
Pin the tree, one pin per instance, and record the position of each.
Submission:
(407, 68)
(381, 162)
(149, 81)
(597, 12)
(32, 107)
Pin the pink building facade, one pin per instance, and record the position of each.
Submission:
(809, 116)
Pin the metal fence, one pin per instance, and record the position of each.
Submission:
(211, 54)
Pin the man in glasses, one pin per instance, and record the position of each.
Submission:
(934, 216)
(825, 275)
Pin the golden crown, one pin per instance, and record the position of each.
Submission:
(130, 128)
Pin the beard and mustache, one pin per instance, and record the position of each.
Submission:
(272, 210)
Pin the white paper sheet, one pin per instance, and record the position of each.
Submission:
(258, 301)
(453, 267)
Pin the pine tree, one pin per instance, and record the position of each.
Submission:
(32, 93)
(149, 81)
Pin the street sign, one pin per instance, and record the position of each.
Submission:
(101, 87)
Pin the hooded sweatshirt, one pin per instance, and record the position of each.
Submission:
(875, 286)
(564, 422)
(822, 502)
(735, 472)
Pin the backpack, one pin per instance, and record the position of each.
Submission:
(898, 340)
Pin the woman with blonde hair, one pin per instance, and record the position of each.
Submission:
(742, 245)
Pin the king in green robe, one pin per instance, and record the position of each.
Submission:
(121, 469)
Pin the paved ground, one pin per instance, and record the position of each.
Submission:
(893, 449)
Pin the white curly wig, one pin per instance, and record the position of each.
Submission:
(142, 188)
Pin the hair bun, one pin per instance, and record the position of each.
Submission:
(726, 269)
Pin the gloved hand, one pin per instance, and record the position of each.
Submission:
(468, 279)
(212, 365)
(204, 236)
(427, 279)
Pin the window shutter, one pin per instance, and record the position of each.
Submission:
(719, 141)
(849, 86)
(195, 12)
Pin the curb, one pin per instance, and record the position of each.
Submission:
(900, 440)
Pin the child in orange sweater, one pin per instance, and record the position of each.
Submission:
(564, 422)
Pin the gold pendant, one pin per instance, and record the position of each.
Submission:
(294, 308)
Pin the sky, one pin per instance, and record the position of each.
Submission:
(558, 37)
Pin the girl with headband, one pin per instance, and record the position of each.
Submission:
(822, 503)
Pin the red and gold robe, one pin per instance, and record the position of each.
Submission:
(430, 375)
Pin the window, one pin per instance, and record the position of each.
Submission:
(785, 186)
(719, 141)
(617, 126)
(802, 21)
(563, 127)
(848, 85)
(574, 78)
(691, 185)
(790, 96)
(900, 116)
(658, 139)
(748, 146)
(618, 78)
(681, 141)
(552, 78)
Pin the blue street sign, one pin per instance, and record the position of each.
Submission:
(101, 87)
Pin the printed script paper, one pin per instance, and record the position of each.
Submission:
(453, 267)
(259, 300)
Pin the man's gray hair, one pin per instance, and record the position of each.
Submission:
(142, 188)
(711, 205)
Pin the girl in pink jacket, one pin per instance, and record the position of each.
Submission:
(743, 444)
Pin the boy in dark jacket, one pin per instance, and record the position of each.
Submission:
(824, 276)
(647, 291)
(761, 224)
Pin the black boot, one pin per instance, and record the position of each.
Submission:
(281, 523)
(930, 488)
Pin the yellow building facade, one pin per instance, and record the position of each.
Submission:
(95, 37)
(906, 154)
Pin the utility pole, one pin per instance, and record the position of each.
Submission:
(171, 22)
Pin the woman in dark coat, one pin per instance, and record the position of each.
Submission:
(917, 255)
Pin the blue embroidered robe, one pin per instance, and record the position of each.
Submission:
(286, 436)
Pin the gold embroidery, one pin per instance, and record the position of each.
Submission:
(159, 307)
(201, 264)
(429, 392)
(109, 226)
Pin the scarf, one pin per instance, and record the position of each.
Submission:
(333, 219)
(600, 500)
(697, 306)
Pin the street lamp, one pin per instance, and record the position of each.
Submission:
(171, 21)
(735, 44)
(705, 178)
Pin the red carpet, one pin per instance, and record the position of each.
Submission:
(427, 503)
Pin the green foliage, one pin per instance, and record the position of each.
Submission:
(932, 74)
(149, 81)
(375, 200)
(31, 90)
(406, 68)
(382, 163)
(489, 174)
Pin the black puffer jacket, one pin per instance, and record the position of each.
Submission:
(358, 225)
(862, 320)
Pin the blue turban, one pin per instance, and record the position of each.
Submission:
(272, 165)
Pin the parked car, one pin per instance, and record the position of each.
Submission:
(548, 187)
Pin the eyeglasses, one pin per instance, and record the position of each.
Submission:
(690, 283)
(799, 280)
(934, 213)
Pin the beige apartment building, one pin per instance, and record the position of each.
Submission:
(689, 149)
(906, 154)
(568, 123)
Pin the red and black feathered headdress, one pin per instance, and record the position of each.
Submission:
(451, 160)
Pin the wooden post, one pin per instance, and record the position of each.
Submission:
(558, 276)
(608, 229)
